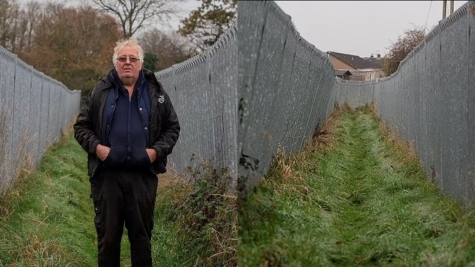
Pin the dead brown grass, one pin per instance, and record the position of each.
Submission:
(290, 169)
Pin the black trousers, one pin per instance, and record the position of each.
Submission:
(124, 197)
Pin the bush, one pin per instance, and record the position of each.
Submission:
(208, 217)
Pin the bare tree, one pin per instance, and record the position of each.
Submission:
(401, 48)
(9, 12)
(168, 48)
(136, 14)
(27, 19)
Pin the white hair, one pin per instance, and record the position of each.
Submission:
(127, 42)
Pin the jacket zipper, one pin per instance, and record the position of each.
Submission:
(129, 147)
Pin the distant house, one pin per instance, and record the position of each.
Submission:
(360, 69)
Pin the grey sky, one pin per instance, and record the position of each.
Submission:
(360, 27)
(186, 7)
(353, 27)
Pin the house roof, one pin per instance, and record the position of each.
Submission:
(357, 62)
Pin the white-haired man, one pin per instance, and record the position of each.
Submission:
(127, 126)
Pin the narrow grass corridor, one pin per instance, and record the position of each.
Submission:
(354, 197)
(46, 219)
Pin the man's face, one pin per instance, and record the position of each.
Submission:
(128, 70)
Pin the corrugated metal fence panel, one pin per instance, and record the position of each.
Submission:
(35, 111)
(7, 83)
(223, 72)
(429, 103)
(468, 162)
(454, 90)
(45, 106)
(203, 90)
(284, 85)
(20, 115)
(32, 114)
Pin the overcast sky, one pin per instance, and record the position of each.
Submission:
(186, 7)
(352, 27)
(361, 27)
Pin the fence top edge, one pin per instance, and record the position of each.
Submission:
(224, 40)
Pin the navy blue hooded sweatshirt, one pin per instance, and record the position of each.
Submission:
(125, 125)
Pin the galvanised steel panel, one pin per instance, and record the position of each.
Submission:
(282, 85)
(273, 82)
(203, 91)
(20, 116)
(225, 92)
(396, 99)
(429, 100)
(53, 113)
(423, 145)
(454, 37)
(468, 162)
(417, 118)
(409, 84)
(281, 103)
(291, 116)
(328, 83)
(35, 110)
(194, 117)
(7, 84)
(300, 70)
(316, 86)
(249, 40)
(433, 110)
(167, 79)
(284, 116)
(258, 136)
(44, 115)
(249, 37)
(21, 98)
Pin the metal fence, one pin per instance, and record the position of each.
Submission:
(430, 102)
(34, 109)
(285, 88)
(203, 90)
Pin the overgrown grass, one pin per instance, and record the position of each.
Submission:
(207, 217)
(197, 220)
(46, 218)
(355, 197)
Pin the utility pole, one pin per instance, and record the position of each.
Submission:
(444, 9)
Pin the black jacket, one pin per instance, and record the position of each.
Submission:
(164, 126)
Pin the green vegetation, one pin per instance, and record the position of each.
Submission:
(208, 22)
(208, 218)
(46, 218)
(354, 197)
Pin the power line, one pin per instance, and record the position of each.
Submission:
(425, 26)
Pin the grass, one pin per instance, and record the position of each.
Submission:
(207, 217)
(46, 218)
(355, 197)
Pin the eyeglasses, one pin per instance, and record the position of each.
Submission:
(131, 59)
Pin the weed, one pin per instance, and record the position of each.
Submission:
(207, 217)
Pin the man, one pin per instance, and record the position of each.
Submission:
(127, 126)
